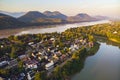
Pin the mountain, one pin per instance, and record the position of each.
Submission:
(55, 14)
(101, 17)
(34, 18)
(13, 14)
(9, 22)
(31, 16)
(37, 17)
(80, 17)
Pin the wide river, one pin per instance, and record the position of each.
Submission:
(61, 28)
(104, 65)
(47, 28)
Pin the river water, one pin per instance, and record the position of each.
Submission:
(61, 28)
(47, 28)
(104, 65)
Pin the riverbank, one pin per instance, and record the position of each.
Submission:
(114, 40)
(103, 65)
(101, 38)
(75, 64)
(46, 28)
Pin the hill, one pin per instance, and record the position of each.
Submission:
(55, 14)
(7, 21)
(80, 17)
(31, 16)
(35, 17)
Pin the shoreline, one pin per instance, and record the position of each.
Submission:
(114, 40)
(83, 54)
(91, 52)
(105, 38)
(4, 33)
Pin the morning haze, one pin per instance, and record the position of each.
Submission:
(93, 7)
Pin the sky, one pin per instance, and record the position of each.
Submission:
(68, 7)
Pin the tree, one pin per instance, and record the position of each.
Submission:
(4, 72)
(12, 54)
(20, 66)
(40, 76)
(91, 38)
(57, 73)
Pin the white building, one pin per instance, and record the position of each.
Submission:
(31, 64)
(3, 63)
(49, 66)
(30, 75)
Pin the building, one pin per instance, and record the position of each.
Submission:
(49, 65)
(30, 75)
(31, 64)
(3, 64)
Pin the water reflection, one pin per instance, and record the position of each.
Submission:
(104, 65)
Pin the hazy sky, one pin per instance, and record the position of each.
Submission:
(68, 7)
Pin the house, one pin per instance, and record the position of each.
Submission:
(49, 65)
(84, 42)
(52, 39)
(58, 53)
(91, 44)
(3, 64)
(73, 47)
(76, 46)
(30, 75)
(12, 63)
(55, 56)
(30, 43)
(115, 32)
(63, 57)
(2, 46)
(81, 40)
(23, 57)
(31, 64)
(42, 52)
(33, 55)
(21, 76)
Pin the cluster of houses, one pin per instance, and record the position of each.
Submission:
(41, 58)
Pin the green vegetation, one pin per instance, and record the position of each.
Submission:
(75, 64)
(40, 76)
(108, 30)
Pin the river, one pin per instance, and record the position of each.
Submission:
(104, 65)
(47, 28)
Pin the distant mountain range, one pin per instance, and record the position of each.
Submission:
(13, 14)
(33, 18)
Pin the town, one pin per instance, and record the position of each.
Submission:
(54, 49)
